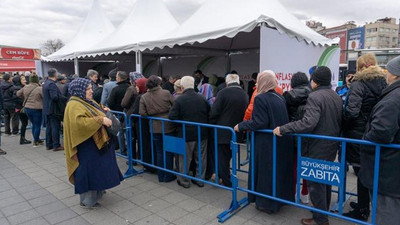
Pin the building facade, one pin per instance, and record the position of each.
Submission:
(383, 33)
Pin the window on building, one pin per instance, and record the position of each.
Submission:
(394, 31)
(372, 30)
(395, 39)
(387, 38)
(381, 38)
(373, 38)
(387, 30)
(381, 29)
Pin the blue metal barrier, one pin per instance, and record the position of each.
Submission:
(130, 171)
(177, 145)
(336, 176)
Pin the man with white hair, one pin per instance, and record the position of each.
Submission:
(191, 106)
(228, 110)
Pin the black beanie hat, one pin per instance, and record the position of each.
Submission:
(299, 79)
(322, 76)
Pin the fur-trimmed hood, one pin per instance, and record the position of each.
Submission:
(370, 73)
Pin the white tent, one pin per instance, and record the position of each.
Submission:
(226, 18)
(94, 29)
(149, 20)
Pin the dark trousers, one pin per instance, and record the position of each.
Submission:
(362, 192)
(24, 123)
(320, 196)
(35, 116)
(387, 210)
(224, 163)
(53, 126)
(158, 146)
(11, 117)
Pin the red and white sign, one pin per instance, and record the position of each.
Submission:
(342, 34)
(19, 53)
(16, 65)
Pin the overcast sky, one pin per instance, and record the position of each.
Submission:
(28, 23)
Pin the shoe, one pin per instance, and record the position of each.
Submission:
(49, 148)
(310, 221)
(97, 205)
(358, 214)
(354, 205)
(41, 142)
(36, 144)
(2, 152)
(61, 148)
(183, 185)
(264, 210)
(23, 141)
(199, 184)
(305, 199)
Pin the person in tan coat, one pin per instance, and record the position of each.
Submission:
(33, 98)
(157, 103)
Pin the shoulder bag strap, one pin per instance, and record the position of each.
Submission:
(26, 99)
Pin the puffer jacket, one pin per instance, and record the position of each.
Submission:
(157, 103)
(9, 95)
(363, 95)
(296, 100)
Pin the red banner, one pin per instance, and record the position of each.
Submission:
(16, 65)
(19, 53)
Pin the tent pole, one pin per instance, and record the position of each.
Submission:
(76, 66)
(228, 62)
(139, 62)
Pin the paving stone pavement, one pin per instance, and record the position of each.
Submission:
(34, 190)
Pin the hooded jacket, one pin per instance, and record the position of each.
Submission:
(296, 100)
(363, 95)
(9, 95)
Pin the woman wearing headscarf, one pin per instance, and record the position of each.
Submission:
(269, 111)
(33, 99)
(144, 140)
(207, 92)
(157, 102)
(89, 150)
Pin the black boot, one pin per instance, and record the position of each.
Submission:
(358, 214)
(23, 141)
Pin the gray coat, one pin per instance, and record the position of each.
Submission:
(323, 116)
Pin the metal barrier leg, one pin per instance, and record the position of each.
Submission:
(235, 205)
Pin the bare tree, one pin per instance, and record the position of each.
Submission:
(51, 46)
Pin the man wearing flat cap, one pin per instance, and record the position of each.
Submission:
(384, 127)
(323, 116)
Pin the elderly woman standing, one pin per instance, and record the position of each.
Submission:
(269, 111)
(157, 102)
(33, 103)
(89, 150)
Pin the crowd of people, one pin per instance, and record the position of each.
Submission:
(365, 107)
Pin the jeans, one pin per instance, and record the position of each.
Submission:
(158, 146)
(53, 126)
(35, 116)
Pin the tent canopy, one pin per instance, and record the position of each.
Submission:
(226, 18)
(94, 29)
(148, 20)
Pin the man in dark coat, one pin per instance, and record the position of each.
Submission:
(10, 100)
(384, 127)
(200, 79)
(51, 97)
(118, 93)
(323, 116)
(228, 110)
(191, 106)
(169, 85)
